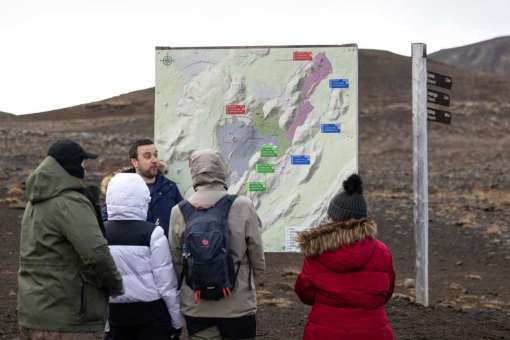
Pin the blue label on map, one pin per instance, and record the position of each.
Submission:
(339, 83)
(300, 159)
(330, 128)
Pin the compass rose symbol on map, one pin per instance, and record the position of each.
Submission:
(167, 60)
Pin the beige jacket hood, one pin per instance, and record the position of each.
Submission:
(207, 167)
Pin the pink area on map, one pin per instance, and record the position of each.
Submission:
(320, 70)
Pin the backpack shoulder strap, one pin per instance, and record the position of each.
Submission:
(224, 204)
(186, 209)
(230, 199)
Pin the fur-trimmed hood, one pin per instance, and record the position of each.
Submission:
(331, 236)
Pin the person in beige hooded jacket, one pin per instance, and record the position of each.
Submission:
(234, 316)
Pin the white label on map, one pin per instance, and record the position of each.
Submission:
(291, 234)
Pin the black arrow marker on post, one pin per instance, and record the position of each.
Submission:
(439, 98)
(439, 116)
(439, 80)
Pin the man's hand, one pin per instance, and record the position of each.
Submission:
(116, 293)
(176, 333)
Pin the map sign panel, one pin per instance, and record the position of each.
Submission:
(285, 119)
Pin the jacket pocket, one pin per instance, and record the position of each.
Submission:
(93, 303)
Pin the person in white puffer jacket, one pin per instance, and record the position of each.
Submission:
(149, 307)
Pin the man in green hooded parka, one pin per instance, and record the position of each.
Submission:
(66, 272)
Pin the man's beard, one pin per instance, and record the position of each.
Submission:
(149, 173)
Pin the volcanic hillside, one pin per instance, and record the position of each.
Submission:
(491, 56)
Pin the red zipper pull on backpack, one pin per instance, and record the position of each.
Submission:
(196, 296)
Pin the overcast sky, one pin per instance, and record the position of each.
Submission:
(59, 53)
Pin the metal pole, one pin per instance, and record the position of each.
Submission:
(420, 172)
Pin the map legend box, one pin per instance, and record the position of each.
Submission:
(300, 160)
(269, 150)
(264, 168)
(339, 83)
(256, 187)
(291, 235)
(331, 128)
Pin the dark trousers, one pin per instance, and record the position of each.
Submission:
(244, 327)
(140, 321)
(143, 332)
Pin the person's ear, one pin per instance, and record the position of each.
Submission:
(134, 162)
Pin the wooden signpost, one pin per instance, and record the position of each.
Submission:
(420, 172)
(423, 95)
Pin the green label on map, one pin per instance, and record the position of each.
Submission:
(264, 168)
(269, 150)
(255, 187)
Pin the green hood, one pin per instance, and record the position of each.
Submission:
(49, 180)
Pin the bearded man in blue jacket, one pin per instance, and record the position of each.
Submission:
(164, 192)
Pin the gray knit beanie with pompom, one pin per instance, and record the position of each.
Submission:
(349, 204)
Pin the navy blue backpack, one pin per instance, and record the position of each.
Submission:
(207, 264)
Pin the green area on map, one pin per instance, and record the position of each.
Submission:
(255, 187)
(269, 127)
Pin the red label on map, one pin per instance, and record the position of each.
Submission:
(302, 55)
(236, 109)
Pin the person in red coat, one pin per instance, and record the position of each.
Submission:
(347, 274)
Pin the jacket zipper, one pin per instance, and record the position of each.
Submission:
(82, 298)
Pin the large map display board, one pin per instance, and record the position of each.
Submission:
(285, 119)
